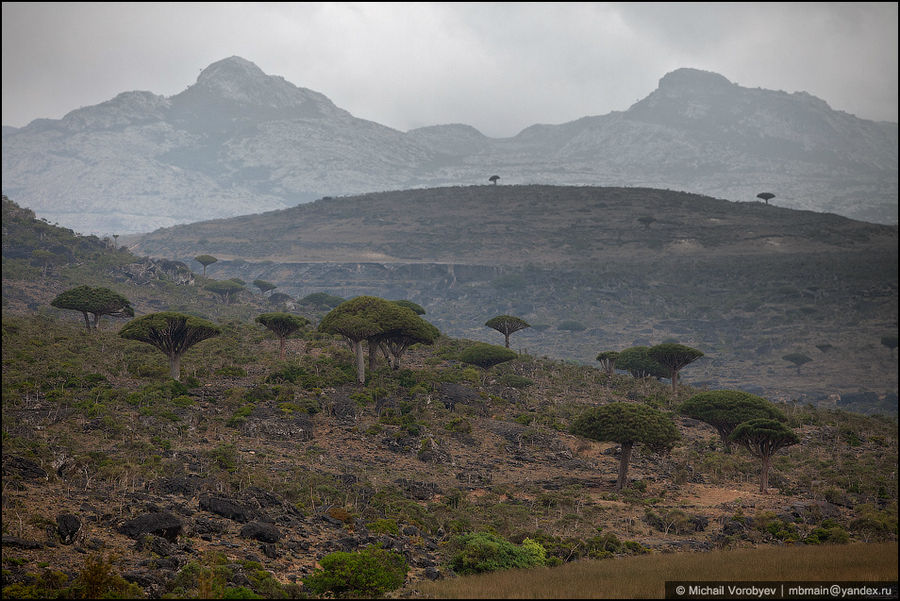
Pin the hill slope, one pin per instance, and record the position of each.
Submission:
(252, 470)
(239, 141)
(746, 283)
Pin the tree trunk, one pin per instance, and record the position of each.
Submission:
(675, 382)
(175, 367)
(281, 348)
(507, 339)
(764, 476)
(623, 465)
(87, 321)
(373, 356)
(360, 362)
(96, 321)
(724, 436)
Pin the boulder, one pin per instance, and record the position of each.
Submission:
(162, 524)
(67, 526)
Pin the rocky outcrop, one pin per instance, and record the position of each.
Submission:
(148, 270)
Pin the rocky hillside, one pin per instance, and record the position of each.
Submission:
(596, 269)
(239, 141)
(249, 472)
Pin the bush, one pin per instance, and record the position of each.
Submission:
(371, 572)
(384, 526)
(827, 535)
(485, 552)
(486, 355)
(515, 381)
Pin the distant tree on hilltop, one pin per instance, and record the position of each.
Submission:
(205, 260)
(506, 325)
(264, 286)
(493, 179)
(766, 196)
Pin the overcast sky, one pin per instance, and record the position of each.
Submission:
(497, 66)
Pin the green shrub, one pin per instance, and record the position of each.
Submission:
(485, 552)
(384, 526)
(232, 371)
(827, 535)
(98, 581)
(371, 572)
(240, 416)
(515, 381)
(486, 355)
(458, 424)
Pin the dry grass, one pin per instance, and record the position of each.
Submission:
(644, 577)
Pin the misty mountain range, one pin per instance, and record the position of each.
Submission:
(239, 141)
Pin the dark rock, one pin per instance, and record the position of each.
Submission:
(265, 498)
(162, 524)
(343, 409)
(206, 526)
(14, 541)
(268, 422)
(261, 531)
(67, 526)
(699, 522)
(94, 544)
(346, 544)
(24, 468)
(432, 573)
(453, 394)
(156, 544)
(270, 550)
(733, 527)
(152, 580)
(333, 521)
(186, 486)
(162, 563)
(229, 508)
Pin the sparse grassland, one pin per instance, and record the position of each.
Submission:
(644, 577)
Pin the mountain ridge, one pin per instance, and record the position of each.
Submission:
(238, 141)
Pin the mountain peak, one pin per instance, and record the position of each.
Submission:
(231, 69)
(695, 79)
(238, 83)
